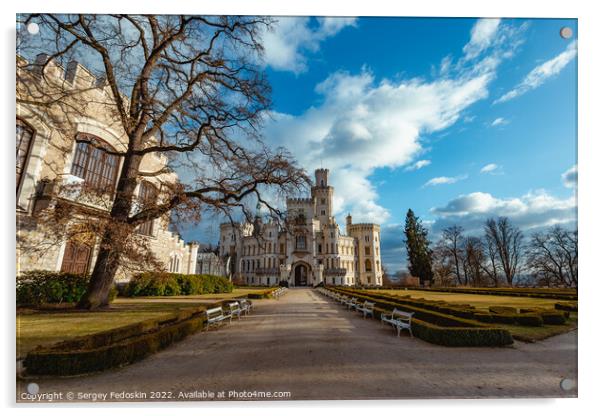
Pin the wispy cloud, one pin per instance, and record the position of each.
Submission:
(418, 165)
(491, 168)
(542, 73)
(482, 35)
(500, 121)
(445, 180)
(291, 37)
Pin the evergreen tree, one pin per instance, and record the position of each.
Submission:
(417, 246)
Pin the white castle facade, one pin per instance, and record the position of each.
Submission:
(310, 249)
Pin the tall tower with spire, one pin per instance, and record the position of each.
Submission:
(323, 193)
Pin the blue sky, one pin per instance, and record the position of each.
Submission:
(458, 119)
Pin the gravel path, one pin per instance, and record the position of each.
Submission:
(312, 348)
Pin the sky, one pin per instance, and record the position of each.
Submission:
(458, 119)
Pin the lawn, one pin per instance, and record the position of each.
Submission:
(47, 327)
(483, 302)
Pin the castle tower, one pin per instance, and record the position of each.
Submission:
(322, 194)
(348, 224)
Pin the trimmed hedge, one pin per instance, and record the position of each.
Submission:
(40, 287)
(263, 295)
(116, 347)
(441, 329)
(560, 294)
(174, 284)
(566, 306)
(498, 314)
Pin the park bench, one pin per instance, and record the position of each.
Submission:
(233, 309)
(215, 316)
(245, 306)
(343, 299)
(352, 303)
(367, 308)
(399, 320)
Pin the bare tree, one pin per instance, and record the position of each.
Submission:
(473, 259)
(443, 269)
(508, 242)
(491, 266)
(553, 256)
(451, 247)
(187, 87)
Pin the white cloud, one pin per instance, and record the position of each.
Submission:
(445, 180)
(419, 165)
(500, 121)
(569, 178)
(482, 36)
(362, 124)
(533, 210)
(542, 73)
(490, 168)
(290, 37)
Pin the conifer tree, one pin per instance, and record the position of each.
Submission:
(417, 246)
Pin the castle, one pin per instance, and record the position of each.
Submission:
(308, 250)
(66, 148)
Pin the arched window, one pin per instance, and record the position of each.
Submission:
(147, 197)
(368, 265)
(94, 163)
(24, 139)
(174, 264)
(301, 242)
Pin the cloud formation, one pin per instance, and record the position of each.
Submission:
(500, 121)
(569, 178)
(445, 180)
(418, 165)
(482, 36)
(362, 124)
(530, 211)
(542, 73)
(287, 42)
(490, 168)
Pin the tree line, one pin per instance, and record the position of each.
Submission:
(501, 256)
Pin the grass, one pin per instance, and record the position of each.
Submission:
(483, 302)
(47, 327)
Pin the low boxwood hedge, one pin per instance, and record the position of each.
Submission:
(174, 284)
(115, 347)
(441, 329)
(43, 287)
(566, 306)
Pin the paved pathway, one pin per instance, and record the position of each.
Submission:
(307, 345)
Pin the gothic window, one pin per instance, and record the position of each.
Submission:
(368, 265)
(94, 163)
(366, 238)
(24, 139)
(323, 212)
(319, 248)
(174, 264)
(301, 242)
(147, 195)
(367, 250)
(282, 248)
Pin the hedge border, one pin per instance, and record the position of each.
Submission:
(517, 292)
(498, 314)
(464, 333)
(116, 347)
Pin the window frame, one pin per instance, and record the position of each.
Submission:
(95, 164)
(28, 128)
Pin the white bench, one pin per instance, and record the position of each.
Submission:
(343, 299)
(399, 320)
(215, 316)
(245, 306)
(233, 309)
(367, 308)
(352, 303)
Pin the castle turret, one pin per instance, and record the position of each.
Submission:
(348, 224)
(322, 193)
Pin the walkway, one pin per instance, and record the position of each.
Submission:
(315, 349)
